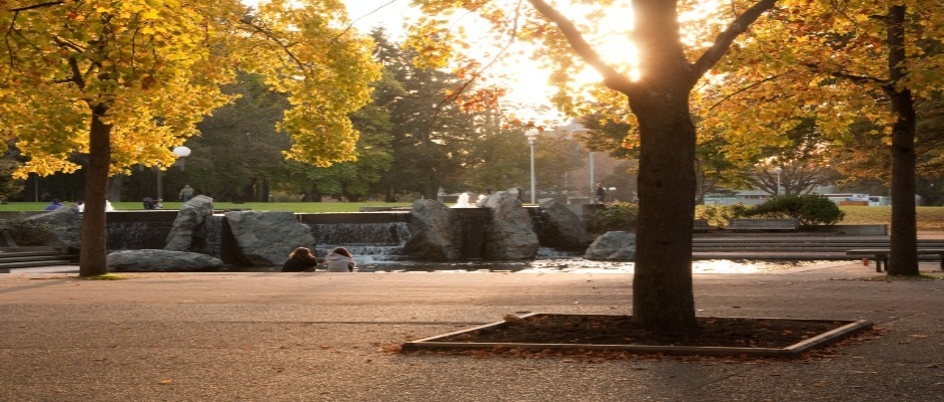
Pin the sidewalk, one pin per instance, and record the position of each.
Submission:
(327, 337)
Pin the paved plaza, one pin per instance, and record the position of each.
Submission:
(330, 337)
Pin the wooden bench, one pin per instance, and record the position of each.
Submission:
(763, 225)
(880, 255)
(701, 225)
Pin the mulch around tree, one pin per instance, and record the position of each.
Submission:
(618, 330)
(621, 330)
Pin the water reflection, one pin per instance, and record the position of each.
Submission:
(557, 265)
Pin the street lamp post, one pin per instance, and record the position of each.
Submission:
(779, 169)
(160, 186)
(532, 135)
(180, 153)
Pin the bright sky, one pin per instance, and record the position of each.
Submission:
(391, 15)
(529, 85)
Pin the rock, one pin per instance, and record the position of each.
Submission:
(154, 260)
(267, 237)
(436, 232)
(509, 235)
(615, 245)
(60, 228)
(189, 231)
(561, 227)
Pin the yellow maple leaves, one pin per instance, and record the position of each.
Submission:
(156, 66)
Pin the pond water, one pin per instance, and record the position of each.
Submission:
(555, 265)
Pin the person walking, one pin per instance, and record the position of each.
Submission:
(340, 260)
(300, 260)
(186, 193)
(601, 193)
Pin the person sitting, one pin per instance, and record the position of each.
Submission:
(54, 205)
(300, 260)
(340, 260)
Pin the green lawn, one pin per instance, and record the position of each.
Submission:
(929, 218)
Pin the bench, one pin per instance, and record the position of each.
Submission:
(701, 225)
(880, 255)
(763, 225)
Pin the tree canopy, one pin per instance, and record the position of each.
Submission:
(125, 82)
(657, 90)
(852, 66)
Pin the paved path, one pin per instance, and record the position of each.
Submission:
(325, 337)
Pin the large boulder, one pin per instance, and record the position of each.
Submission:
(189, 231)
(267, 237)
(60, 228)
(154, 260)
(560, 226)
(509, 235)
(615, 245)
(435, 232)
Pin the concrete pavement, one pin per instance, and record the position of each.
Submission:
(328, 337)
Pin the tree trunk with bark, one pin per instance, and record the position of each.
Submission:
(663, 298)
(904, 232)
(94, 247)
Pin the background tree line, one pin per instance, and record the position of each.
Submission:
(413, 140)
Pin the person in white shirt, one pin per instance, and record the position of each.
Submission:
(339, 260)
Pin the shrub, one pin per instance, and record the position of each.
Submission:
(808, 209)
(719, 216)
(616, 216)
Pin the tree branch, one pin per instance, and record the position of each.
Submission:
(860, 79)
(35, 6)
(611, 78)
(511, 41)
(286, 47)
(745, 89)
(725, 39)
(351, 25)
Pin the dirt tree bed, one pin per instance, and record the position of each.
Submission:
(566, 329)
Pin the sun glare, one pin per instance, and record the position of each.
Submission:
(609, 31)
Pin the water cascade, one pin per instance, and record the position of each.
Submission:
(377, 236)
(463, 201)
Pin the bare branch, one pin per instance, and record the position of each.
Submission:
(611, 78)
(511, 41)
(725, 39)
(351, 25)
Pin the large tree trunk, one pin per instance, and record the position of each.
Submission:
(94, 248)
(662, 287)
(663, 298)
(904, 237)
